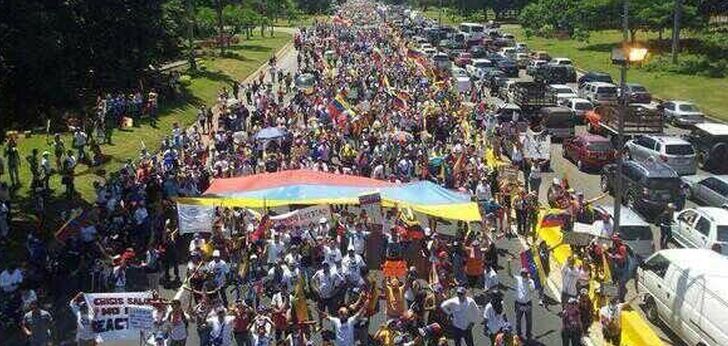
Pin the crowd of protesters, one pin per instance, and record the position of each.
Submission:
(375, 109)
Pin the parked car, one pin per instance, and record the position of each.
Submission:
(685, 289)
(555, 74)
(579, 106)
(561, 61)
(534, 65)
(598, 92)
(636, 93)
(702, 228)
(441, 61)
(595, 77)
(682, 113)
(674, 151)
(463, 59)
(540, 55)
(588, 151)
(478, 52)
(710, 141)
(522, 47)
(633, 230)
(478, 67)
(508, 52)
(648, 185)
(562, 92)
(710, 190)
(522, 60)
(462, 80)
(558, 121)
(508, 67)
(430, 51)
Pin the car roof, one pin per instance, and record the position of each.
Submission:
(654, 169)
(714, 129)
(559, 86)
(699, 262)
(597, 73)
(719, 215)
(627, 216)
(578, 99)
(592, 138)
(598, 84)
(667, 139)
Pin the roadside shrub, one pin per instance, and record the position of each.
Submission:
(547, 30)
(689, 64)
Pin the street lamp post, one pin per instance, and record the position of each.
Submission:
(622, 113)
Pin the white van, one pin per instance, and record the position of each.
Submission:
(687, 290)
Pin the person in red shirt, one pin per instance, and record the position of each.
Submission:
(243, 315)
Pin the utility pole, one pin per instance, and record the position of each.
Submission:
(676, 30)
(190, 35)
(622, 113)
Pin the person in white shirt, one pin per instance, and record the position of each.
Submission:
(344, 325)
(260, 331)
(197, 243)
(220, 270)
(84, 332)
(11, 278)
(482, 191)
(358, 239)
(490, 279)
(463, 311)
(274, 249)
(494, 317)
(118, 276)
(221, 328)
(569, 278)
(326, 283)
(332, 255)
(525, 287)
(352, 266)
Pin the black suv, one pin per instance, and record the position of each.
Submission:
(710, 141)
(648, 186)
(509, 67)
(595, 77)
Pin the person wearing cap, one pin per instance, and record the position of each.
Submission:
(494, 316)
(221, 327)
(463, 312)
(525, 287)
(326, 284)
(352, 266)
(571, 327)
(84, 332)
(220, 270)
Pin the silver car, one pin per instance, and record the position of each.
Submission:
(711, 190)
(634, 231)
(682, 113)
(675, 152)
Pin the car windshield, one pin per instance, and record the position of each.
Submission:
(601, 147)
(663, 183)
(563, 91)
(635, 232)
(638, 88)
(482, 64)
(687, 107)
(679, 149)
(602, 78)
(607, 90)
(722, 233)
(583, 106)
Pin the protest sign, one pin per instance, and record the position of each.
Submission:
(141, 317)
(111, 313)
(195, 218)
(372, 204)
(303, 217)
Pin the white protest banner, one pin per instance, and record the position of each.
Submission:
(536, 145)
(141, 317)
(303, 217)
(111, 313)
(195, 218)
(372, 204)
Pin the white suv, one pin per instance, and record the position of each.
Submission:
(597, 92)
(675, 152)
(703, 228)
